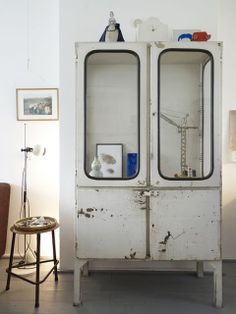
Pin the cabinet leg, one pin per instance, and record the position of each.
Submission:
(85, 270)
(78, 266)
(218, 299)
(200, 269)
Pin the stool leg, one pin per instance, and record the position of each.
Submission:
(54, 255)
(37, 271)
(11, 261)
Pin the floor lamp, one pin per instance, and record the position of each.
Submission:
(37, 150)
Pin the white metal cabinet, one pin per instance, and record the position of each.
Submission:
(162, 103)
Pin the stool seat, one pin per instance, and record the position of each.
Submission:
(17, 231)
(33, 226)
(27, 225)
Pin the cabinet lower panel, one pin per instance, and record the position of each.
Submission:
(185, 225)
(111, 224)
(177, 225)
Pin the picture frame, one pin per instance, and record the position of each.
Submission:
(111, 158)
(37, 104)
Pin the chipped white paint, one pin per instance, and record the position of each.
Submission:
(105, 226)
(186, 214)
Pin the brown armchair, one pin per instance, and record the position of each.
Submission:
(4, 209)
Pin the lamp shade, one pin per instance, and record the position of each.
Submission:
(39, 150)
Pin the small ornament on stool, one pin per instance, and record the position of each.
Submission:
(112, 32)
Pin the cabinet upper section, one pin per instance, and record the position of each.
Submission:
(148, 114)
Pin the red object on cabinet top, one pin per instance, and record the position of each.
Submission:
(200, 36)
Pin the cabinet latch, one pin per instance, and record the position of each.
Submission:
(153, 193)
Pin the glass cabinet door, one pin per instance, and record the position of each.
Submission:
(185, 114)
(185, 106)
(111, 111)
(112, 115)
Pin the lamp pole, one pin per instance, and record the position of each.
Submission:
(25, 212)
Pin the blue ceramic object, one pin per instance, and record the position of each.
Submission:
(185, 36)
(132, 164)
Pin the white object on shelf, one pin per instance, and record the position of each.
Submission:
(96, 168)
(151, 30)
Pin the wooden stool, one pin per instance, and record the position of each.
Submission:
(23, 227)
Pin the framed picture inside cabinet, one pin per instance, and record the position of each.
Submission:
(40, 104)
(110, 156)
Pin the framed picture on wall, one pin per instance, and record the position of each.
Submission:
(110, 156)
(37, 104)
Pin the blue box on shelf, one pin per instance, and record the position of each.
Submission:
(132, 163)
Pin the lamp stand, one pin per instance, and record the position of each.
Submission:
(25, 213)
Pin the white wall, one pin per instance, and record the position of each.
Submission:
(29, 30)
(227, 25)
(85, 20)
(38, 41)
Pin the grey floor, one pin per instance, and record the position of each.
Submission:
(122, 292)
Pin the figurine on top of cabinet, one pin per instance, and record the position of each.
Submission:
(112, 32)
